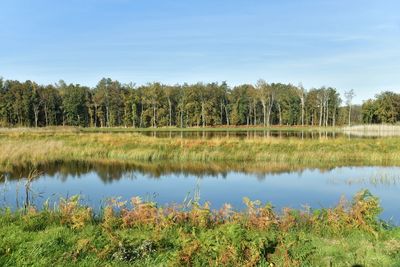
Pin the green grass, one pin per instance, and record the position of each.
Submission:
(148, 235)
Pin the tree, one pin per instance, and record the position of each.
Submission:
(51, 103)
(240, 102)
(287, 104)
(74, 104)
(111, 104)
(267, 98)
(388, 107)
(130, 102)
(6, 102)
(302, 95)
(36, 104)
(349, 95)
(334, 105)
(108, 102)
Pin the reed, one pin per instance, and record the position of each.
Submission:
(373, 130)
(20, 148)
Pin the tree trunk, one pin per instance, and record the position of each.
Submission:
(36, 114)
(320, 114)
(90, 117)
(95, 115)
(222, 113)
(227, 116)
(312, 119)
(334, 117)
(154, 116)
(141, 116)
(46, 117)
(203, 119)
(349, 115)
(181, 119)
(107, 117)
(133, 115)
(264, 112)
(270, 104)
(302, 110)
(255, 112)
(170, 112)
(327, 112)
(36, 119)
(280, 114)
(125, 116)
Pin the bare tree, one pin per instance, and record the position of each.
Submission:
(321, 105)
(326, 103)
(267, 98)
(349, 95)
(301, 93)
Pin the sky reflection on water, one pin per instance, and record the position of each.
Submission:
(313, 187)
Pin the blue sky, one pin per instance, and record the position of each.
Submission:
(340, 43)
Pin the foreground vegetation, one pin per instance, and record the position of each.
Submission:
(144, 234)
(34, 148)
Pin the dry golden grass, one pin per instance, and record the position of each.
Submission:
(22, 148)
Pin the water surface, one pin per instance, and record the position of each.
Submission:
(311, 187)
(248, 134)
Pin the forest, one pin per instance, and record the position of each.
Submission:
(113, 104)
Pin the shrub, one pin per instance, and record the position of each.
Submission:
(73, 214)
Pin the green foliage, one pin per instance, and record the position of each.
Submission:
(385, 108)
(111, 104)
(74, 101)
(180, 236)
(36, 221)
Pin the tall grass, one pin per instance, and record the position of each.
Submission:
(380, 130)
(32, 148)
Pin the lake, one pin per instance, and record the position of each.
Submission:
(311, 187)
(243, 133)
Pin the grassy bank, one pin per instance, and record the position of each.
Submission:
(143, 234)
(33, 147)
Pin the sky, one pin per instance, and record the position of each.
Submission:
(339, 43)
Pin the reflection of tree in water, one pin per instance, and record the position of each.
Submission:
(109, 172)
(74, 169)
(243, 134)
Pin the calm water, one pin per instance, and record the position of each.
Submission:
(315, 188)
(242, 133)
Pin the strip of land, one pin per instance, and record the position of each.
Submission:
(21, 147)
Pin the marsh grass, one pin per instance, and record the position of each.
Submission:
(142, 233)
(378, 178)
(381, 130)
(33, 149)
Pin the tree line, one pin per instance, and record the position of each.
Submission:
(111, 103)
